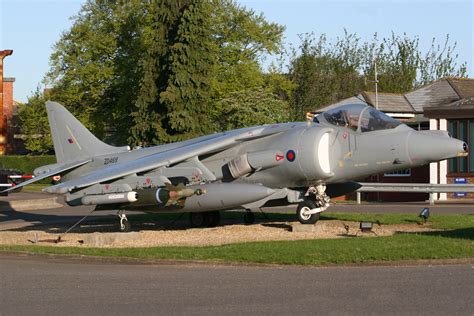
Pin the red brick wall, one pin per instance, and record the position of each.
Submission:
(418, 175)
(8, 99)
(8, 108)
(451, 196)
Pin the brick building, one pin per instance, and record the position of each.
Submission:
(8, 144)
(9, 110)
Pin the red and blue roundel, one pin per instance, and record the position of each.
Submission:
(291, 155)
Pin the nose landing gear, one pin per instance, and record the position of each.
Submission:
(303, 212)
(317, 201)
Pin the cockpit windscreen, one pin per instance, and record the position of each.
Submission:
(355, 116)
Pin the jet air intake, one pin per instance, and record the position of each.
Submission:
(314, 149)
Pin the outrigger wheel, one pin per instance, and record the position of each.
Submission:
(302, 212)
(249, 217)
(205, 219)
(124, 224)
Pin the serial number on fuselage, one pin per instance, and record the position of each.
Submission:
(110, 160)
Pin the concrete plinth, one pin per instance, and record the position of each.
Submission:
(109, 239)
(308, 228)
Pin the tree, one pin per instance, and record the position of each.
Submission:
(174, 93)
(439, 62)
(250, 107)
(33, 124)
(243, 38)
(325, 73)
(94, 66)
(112, 62)
(82, 64)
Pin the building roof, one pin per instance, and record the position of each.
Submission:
(462, 108)
(438, 92)
(389, 102)
(464, 87)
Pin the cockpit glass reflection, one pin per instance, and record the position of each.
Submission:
(373, 120)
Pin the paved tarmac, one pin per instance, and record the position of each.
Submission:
(10, 219)
(77, 286)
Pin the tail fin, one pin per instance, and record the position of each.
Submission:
(72, 141)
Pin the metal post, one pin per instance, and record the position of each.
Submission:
(432, 198)
(376, 86)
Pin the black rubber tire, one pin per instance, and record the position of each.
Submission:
(126, 227)
(199, 219)
(312, 219)
(249, 218)
(214, 218)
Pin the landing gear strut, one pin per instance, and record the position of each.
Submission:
(317, 201)
(124, 223)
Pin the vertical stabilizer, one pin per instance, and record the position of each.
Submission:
(72, 141)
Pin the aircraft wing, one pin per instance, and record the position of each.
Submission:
(162, 159)
(49, 173)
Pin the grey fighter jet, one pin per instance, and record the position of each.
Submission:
(303, 163)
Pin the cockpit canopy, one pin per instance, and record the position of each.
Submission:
(358, 117)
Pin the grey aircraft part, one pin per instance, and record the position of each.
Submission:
(71, 140)
(296, 162)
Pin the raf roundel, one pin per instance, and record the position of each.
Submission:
(290, 155)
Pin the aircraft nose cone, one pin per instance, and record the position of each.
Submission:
(433, 146)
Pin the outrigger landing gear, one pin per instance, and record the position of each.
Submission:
(249, 217)
(124, 223)
(308, 211)
(205, 219)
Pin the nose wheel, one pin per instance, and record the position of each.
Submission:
(316, 201)
(124, 223)
(303, 212)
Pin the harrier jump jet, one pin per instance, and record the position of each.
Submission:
(303, 163)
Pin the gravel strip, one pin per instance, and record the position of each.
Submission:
(220, 235)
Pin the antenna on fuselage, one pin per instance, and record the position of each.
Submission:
(376, 81)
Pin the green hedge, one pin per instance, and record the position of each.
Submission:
(25, 163)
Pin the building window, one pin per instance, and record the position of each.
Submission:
(463, 130)
(399, 173)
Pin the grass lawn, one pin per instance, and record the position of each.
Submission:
(456, 240)
(35, 187)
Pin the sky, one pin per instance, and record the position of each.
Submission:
(31, 27)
